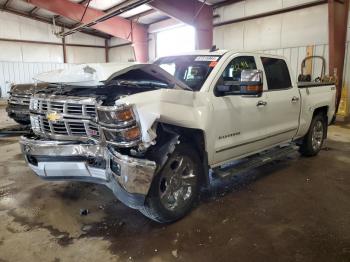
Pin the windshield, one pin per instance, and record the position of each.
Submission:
(192, 70)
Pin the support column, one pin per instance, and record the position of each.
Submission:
(64, 48)
(338, 11)
(106, 51)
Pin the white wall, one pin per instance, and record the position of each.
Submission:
(23, 72)
(123, 53)
(21, 28)
(293, 29)
(286, 34)
(20, 62)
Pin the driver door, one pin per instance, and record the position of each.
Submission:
(239, 122)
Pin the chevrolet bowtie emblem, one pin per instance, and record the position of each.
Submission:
(53, 116)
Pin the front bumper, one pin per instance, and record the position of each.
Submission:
(129, 178)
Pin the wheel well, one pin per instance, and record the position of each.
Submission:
(323, 111)
(196, 138)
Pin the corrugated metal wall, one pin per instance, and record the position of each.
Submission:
(295, 56)
(21, 72)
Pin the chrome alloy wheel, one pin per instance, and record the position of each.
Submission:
(317, 135)
(177, 183)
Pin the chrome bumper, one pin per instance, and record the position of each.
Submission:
(129, 178)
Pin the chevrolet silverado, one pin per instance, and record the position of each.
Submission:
(153, 133)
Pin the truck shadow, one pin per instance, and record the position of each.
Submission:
(221, 187)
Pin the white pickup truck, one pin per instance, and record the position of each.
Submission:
(152, 133)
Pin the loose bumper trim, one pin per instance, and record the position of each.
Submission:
(129, 178)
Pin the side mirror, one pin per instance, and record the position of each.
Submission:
(250, 84)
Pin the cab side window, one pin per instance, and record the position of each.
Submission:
(232, 73)
(277, 73)
(235, 67)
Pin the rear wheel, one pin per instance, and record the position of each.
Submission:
(175, 188)
(313, 141)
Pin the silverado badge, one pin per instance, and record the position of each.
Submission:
(53, 116)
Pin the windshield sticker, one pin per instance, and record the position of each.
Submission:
(206, 58)
(213, 64)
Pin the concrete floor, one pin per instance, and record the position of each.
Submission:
(297, 209)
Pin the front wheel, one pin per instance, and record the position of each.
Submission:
(313, 141)
(175, 188)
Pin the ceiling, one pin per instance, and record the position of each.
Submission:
(143, 14)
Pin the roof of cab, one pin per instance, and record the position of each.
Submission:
(205, 52)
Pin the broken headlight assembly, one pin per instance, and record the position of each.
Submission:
(119, 125)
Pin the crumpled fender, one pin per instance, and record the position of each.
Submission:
(169, 106)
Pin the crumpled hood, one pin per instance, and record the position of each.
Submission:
(27, 89)
(98, 74)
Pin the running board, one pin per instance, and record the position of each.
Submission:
(249, 163)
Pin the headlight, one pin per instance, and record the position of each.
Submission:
(124, 115)
(127, 137)
(119, 124)
(120, 117)
(132, 133)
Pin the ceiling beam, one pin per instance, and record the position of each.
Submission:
(192, 12)
(337, 28)
(115, 26)
(7, 3)
(115, 7)
(227, 2)
(48, 21)
(33, 11)
(145, 13)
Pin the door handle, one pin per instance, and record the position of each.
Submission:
(295, 99)
(261, 103)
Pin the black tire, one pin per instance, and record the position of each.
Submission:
(313, 140)
(156, 206)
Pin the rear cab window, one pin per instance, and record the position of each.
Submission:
(277, 73)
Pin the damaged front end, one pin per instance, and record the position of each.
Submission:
(87, 134)
(77, 138)
(129, 178)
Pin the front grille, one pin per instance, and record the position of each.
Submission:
(19, 99)
(71, 129)
(75, 117)
(69, 109)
